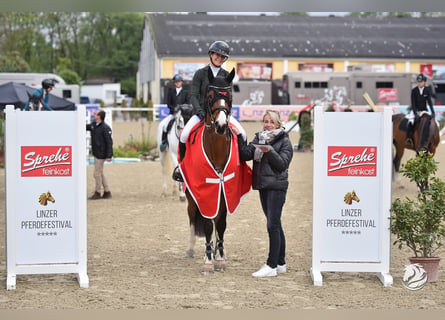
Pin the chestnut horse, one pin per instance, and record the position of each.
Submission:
(426, 137)
(211, 139)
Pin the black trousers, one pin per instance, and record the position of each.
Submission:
(272, 202)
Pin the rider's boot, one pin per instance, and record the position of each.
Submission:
(164, 142)
(177, 176)
(409, 135)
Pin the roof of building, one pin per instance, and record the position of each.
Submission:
(294, 36)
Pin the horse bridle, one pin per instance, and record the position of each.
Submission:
(177, 122)
(220, 93)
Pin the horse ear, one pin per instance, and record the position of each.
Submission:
(231, 75)
(210, 74)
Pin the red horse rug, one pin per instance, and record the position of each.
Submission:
(206, 185)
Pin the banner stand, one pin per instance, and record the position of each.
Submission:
(46, 209)
(352, 193)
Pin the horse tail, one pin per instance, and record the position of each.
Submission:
(199, 224)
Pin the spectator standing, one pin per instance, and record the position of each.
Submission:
(102, 148)
(271, 152)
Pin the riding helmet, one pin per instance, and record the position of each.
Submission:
(177, 77)
(421, 77)
(220, 47)
(47, 83)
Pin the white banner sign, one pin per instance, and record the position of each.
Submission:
(352, 192)
(46, 193)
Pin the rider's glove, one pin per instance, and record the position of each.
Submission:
(201, 114)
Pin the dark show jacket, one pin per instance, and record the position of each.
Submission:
(101, 140)
(199, 85)
(419, 101)
(174, 100)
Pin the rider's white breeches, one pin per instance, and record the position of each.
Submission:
(410, 116)
(195, 119)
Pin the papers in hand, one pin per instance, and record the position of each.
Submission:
(263, 147)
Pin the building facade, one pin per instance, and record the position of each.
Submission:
(264, 48)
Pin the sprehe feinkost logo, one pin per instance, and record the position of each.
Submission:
(46, 161)
(353, 161)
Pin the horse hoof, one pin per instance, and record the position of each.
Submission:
(190, 254)
(220, 265)
(207, 269)
(182, 198)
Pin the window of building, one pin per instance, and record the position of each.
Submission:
(384, 84)
(66, 94)
(315, 84)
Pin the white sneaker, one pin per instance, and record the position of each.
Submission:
(265, 271)
(281, 269)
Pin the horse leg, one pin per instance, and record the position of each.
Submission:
(164, 174)
(220, 258)
(195, 225)
(396, 162)
(190, 253)
(181, 191)
(208, 266)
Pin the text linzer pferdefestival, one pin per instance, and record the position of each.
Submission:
(44, 223)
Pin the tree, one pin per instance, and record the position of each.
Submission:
(13, 62)
(95, 44)
(70, 76)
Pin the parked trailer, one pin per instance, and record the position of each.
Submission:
(344, 88)
(439, 87)
(244, 93)
(70, 92)
(340, 88)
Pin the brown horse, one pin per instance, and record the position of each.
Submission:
(426, 137)
(209, 155)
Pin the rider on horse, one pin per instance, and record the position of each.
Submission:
(219, 52)
(420, 96)
(176, 96)
(40, 96)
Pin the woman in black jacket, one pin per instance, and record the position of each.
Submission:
(272, 153)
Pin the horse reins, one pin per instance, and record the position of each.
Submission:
(221, 93)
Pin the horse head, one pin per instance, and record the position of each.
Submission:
(219, 101)
(185, 111)
(179, 119)
(45, 197)
(350, 196)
